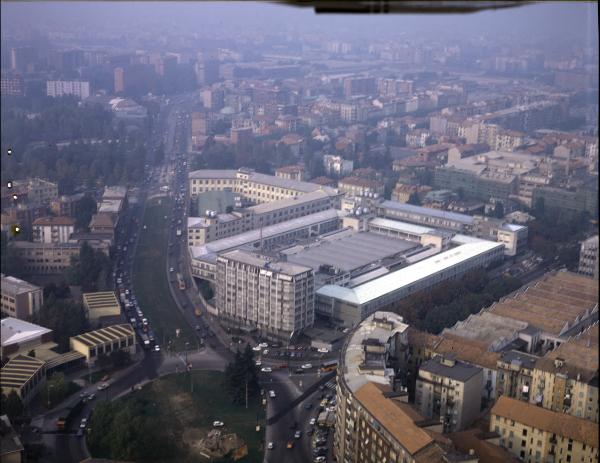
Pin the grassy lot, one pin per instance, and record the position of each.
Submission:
(150, 279)
(190, 414)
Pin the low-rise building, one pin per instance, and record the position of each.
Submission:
(53, 229)
(66, 206)
(23, 374)
(101, 304)
(361, 187)
(535, 434)
(293, 172)
(104, 341)
(20, 299)
(20, 337)
(337, 166)
(449, 391)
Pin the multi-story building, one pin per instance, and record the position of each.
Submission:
(359, 86)
(355, 186)
(242, 136)
(213, 99)
(535, 434)
(20, 299)
(568, 202)
(449, 390)
(53, 229)
(337, 166)
(293, 172)
(12, 85)
(38, 191)
(66, 206)
(58, 88)
(588, 257)
(373, 421)
(515, 374)
(276, 298)
(46, 258)
(218, 226)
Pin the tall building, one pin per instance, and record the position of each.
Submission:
(588, 257)
(277, 299)
(213, 99)
(449, 391)
(53, 229)
(207, 71)
(22, 58)
(359, 86)
(57, 88)
(20, 299)
(119, 80)
(12, 85)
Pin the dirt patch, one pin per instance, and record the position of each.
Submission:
(182, 406)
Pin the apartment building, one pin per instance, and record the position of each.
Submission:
(337, 166)
(449, 390)
(58, 88)
(20, 299)
(515, 374)
(46, 258)
(373, 421)
(53, 229)
(66, 206)
(38, 191)
(535, 434)
(588, 257)
(276, 298)
(293, 172)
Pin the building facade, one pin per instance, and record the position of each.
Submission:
(53, 229)
(588, 257)
(20, 299)
(104, 341)
(58, 88)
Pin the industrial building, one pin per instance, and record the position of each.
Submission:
(276, 298)
(100, 305)
(350, 305)
(20, 299)
(104, 341)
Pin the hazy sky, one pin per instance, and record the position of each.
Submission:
(558, 20)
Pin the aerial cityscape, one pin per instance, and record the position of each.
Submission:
(269, 233)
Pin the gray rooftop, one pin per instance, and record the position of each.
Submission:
(520, 358)
(13, 286)
(265, 208)
(262, 261)
(348, 252)
(427, 211)
(459, 371)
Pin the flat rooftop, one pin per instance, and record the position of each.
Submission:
(271, 206)
(406, 276)
(353, 355)
(459, 371)
(427, 211)
(101, 300)
(13, 286)
(347, 251)
(266, 263)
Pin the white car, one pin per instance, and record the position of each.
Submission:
(171, 269)
(323, 350)
(102, 386)
(320, 459)
(258, 363)
(312, 421)
(83, 423)
(270, 445)
(266, 370)
(266, 352)
(263, 345)
(256, 348)
(157, 348)
(307, 366)
(272, 394)
(218, 424)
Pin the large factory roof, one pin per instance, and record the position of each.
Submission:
(347, 252)
(406, 276)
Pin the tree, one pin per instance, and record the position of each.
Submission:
(55, 390)
(12, 405)
(241, 376)
(11, 262)
(499, 210)
(103, 361)
(414, 199)
(65, 317)
(85, 209)
(120, 358)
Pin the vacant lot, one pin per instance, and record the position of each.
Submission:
(150, 278)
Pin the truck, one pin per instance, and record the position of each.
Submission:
(63, 421)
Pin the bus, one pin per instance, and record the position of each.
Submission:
(180, 282)
(328, 366)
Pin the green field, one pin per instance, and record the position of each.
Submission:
(189, 415)
(150, 282)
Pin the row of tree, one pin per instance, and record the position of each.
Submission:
(241, 377)
(434, 309)
(91, 269)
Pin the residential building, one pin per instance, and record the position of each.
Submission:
(373, 420)
(354, 86)
(568, 202)
(213, 99)
(242, 136)
(37, 190)
(20, 337)
(46, 258)
(12, 85)
(403, 192)
(449, 390)
(293, 172)
(103, 223)
(588, 257)
(535, 434)
(66, 206)
(20, 299)
(515, 374)
(337, 166)
(58, 88)
(53, 229)
(25, 375)
(355, 186)
(104, 341)
(275, 298)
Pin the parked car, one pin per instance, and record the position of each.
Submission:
(103, 386)
(323, 350)
(272, 394)
(270, 446)
(312, 421)
(307, 366)
(266, 370)
(218, 424)
(298, 434)
(83, 423)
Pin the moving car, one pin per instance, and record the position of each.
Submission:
(83, 423)
(290, 444)
(266, 370)
(312, 421)
(103, 386)
(157, 348)
(320, 459)
(218, 424)
(298, 434)
(307, 366)
(270, 445)
(323, 350)
(272, 394)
